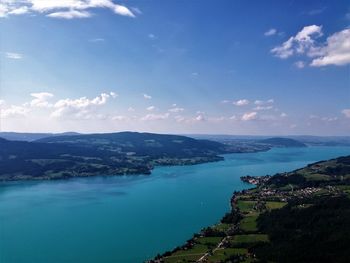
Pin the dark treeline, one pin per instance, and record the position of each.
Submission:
(318, 233)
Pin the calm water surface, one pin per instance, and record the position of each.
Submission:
(129, 219)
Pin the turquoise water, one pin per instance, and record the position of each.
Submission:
(129, 219)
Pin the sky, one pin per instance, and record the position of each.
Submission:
(185, 67)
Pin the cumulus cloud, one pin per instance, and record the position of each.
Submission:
(270, 32)
(66, 9)
(249, 116)
(241, 102)
(299, 43)
(12, 111)
(41, 99)
(12, 55)
(79, 108)
(147, 97)
(335, 51)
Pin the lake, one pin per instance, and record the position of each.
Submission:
(130, 218)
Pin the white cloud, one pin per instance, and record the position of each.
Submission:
(300, 43)
(225, 101)
(264, 102)
(346, 113)
(150, 108)
(79, 108)
(336, 51)
(241, 102)
(41, 99)
(13, 111)
(200, 117)
(151, 36)
(13, 55)
(113, 94)
(155, 117)
(176, 109)
(70, 14)
(259, 107)
(270, 32)
(147, 97)
(299, 64)
(66, 9)
(19, 11)
(131, 109)
(249, 116)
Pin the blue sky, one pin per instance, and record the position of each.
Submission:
(220, 67)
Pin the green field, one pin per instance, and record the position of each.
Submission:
(189, 255)
(224, 254)
(245, 206)
(248, 223)
(275, 205)
(209, 241)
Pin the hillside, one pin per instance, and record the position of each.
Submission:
(143, 144)
(300, 216)
(101, 154)
(281, 142)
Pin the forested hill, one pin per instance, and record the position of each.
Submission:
(144, 144)
(101, 154)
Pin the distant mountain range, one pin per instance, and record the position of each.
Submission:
(26, 136)
(306, 139)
